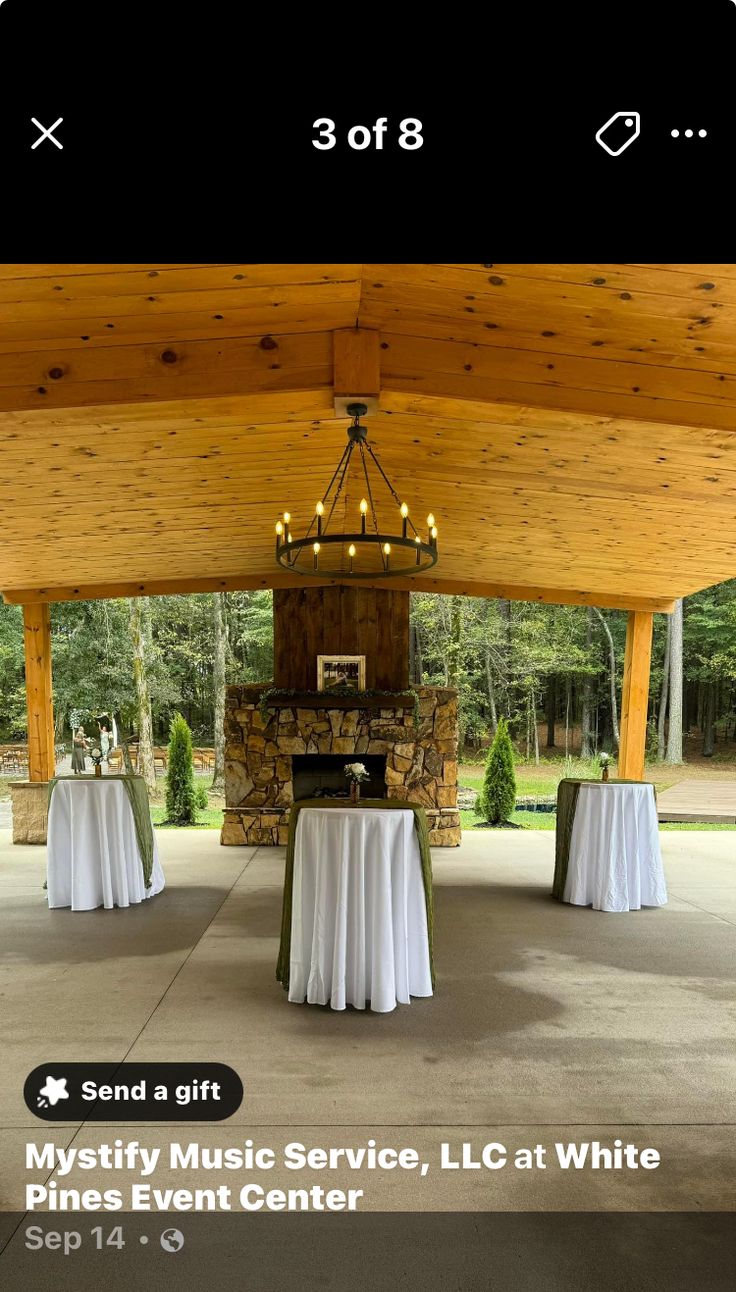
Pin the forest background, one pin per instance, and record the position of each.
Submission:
(553, 671)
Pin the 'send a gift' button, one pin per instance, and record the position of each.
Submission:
(133, 1092)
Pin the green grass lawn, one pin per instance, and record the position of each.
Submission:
(207, 819)
(544, 787)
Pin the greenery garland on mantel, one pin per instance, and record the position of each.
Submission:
(281, 697)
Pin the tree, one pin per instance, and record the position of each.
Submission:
(674, 735)
(137, 625)
(551, 709)
(12, 679)
(497, 797)
(218, 678)
(454, 645)
(180, 793)
(586, 719)
(664, 692)
(612, 674)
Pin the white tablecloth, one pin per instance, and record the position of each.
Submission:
(93, 857)
(615, 863)
(359, 918)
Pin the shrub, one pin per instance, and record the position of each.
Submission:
(497, 797)
(180, 793)
(201, 797)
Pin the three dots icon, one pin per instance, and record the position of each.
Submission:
(702, 134)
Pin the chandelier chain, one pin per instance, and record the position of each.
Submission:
(371, 503)
(348, 454)
(393, 492)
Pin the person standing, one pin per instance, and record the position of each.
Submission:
(79, 748)
(105, 743)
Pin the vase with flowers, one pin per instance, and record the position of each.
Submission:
(604, 760)
(355, 773)
(97, 756)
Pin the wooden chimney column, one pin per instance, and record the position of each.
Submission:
(635, 696)
(357, 363)
(39, 698)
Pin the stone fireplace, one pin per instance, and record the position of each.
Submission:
(269, 750)
(421, 762)
(323, 776)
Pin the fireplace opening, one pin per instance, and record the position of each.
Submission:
(323, 775)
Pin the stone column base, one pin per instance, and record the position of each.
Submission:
(30, 810)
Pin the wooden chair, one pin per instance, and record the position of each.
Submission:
(115, 760)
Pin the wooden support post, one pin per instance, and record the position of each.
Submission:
(357, 369)
(635, 696)
(39, 698)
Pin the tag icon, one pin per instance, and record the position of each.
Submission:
(619, 131)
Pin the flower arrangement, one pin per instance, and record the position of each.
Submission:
(605, 760)
(356, 773)
(96, 755)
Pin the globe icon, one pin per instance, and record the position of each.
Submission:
(172, 1240)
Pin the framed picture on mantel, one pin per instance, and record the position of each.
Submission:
(341, 671)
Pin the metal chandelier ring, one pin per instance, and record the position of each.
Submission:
(428, 553)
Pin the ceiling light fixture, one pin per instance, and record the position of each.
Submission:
(367, 552)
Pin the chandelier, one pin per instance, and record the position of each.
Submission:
(371, 551)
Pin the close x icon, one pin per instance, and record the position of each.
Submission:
(47, 133)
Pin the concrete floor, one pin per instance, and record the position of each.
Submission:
(550, 1023)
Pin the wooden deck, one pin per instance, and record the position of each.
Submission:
(699, 801)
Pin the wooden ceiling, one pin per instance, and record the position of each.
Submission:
(572, 427)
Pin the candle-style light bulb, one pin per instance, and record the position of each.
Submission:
(434, 533)
(404, 509)
(404, 513)
(315, 549)
(418, 540)
(387, 554)
(430, 521)
(287, 517)
(351, 554)
(320, 512)
(279, 528)
(363, 511)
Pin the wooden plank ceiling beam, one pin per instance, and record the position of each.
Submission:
(412, 368)
(467, 371)
(182, 370)
(278, 579)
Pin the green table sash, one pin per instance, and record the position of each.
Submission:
(422, 829)
(567, 801)
(135, 788)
